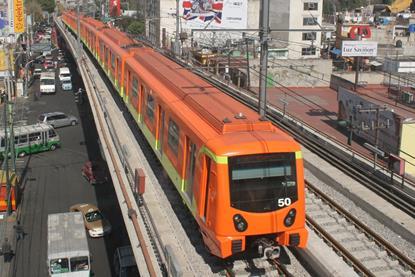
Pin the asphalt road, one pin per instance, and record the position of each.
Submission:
(53, 182)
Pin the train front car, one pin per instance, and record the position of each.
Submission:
(256, 195)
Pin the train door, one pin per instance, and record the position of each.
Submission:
(207, 187)
(141, 103)
(190, 168)
(160, 129)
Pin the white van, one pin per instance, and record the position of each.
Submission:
(68, 252)
(64, 74)
(47, 82)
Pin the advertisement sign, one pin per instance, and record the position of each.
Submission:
(3, 62)
(359, 48)
(388, 138)
(18, 16)
(211, 14)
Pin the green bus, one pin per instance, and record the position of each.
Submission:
(31, 139)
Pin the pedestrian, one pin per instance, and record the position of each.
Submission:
(6, 250)
(19, 230)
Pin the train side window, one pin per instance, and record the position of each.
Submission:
(134, 88)
(173, 136)
(101, 50)
(118, 69)
(112, 61)
(106, 56)
(150, 107)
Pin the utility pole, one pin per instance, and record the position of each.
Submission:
(357, 60)
(78, 29)
(376, 126)
(263, 37)
(248, 75)
(177, 51)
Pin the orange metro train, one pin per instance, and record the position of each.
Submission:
(242, 178)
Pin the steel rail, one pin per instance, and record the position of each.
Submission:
(131, 212)
(281, 268)
(392, 250)
(355, 263)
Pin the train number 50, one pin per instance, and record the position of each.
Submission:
(284, 202)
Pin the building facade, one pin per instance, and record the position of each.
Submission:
(296, 14)
(160, 21)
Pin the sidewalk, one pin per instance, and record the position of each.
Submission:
(7, 231)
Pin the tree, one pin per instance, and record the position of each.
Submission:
(48, 5)
(136, 28)
(35, 9)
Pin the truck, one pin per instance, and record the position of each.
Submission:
(47, 82)
(68, 253)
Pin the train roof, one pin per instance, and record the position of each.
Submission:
(221, 111)
(120, 38)
(214, 107)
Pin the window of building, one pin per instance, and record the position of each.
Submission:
(278, 53)
(310, 6)
(308, 21)
(150, 107)
(173, 136)
(309, 36)
(134, 89)
(308, 51)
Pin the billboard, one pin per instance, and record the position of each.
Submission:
(18, 16)
(359, 48)
(114, 8)
(212, 14)
(10, 15)
(3, 62)
(389, 137)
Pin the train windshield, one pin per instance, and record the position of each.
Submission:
(263, 183)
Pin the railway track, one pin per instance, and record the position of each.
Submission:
(256, 267)
(360, 247)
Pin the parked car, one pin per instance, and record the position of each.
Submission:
(94, 172)
(67, 85)
(94, 221)
(58, 119)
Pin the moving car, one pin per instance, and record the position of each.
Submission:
(37, 72)
(64, 74)
(95, 223)
(47, 82)
(94, 172)
(124, 262)
(48, 64)
(58, 119)
(67, 85)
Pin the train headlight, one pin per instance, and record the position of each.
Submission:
(240, 223)
(290, 218)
